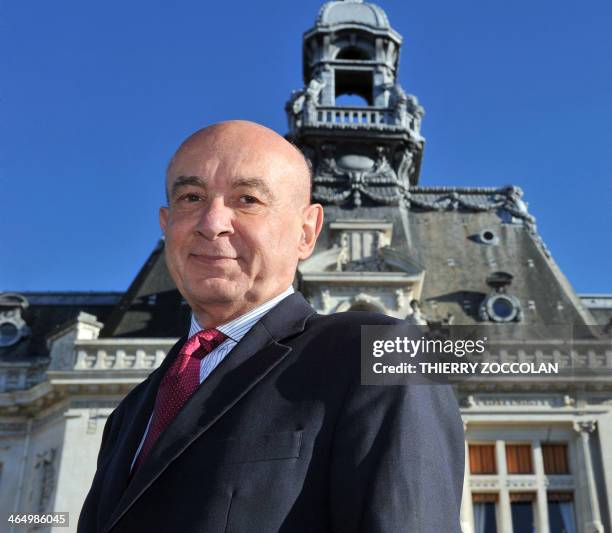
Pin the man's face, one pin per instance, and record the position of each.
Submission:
(235, 227)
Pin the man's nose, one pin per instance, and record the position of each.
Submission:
(216, 219)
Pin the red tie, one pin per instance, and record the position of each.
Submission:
(178, 384)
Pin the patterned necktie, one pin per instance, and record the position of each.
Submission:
(178, 384)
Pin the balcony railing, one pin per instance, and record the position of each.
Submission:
(360, 116)
(354, 115)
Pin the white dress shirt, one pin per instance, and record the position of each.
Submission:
(234, 330)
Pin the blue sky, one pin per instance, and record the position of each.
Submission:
(96, 96)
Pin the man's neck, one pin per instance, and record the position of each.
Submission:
(217, 315)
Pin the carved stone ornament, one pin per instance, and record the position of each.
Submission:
(585, 426)
(12, 326)
(45, 477)
(333, 184)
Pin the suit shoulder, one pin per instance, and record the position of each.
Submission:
(357, 318)
(348, 324)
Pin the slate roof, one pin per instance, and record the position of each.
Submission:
(441, 235)
(47, 312)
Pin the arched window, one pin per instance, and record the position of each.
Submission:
(354, 82)
(353, 53)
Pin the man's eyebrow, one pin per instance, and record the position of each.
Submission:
(255, 183)
(184, 181)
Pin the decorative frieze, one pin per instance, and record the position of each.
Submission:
(484, 483)
(516, 483)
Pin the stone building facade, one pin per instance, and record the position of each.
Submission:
(538, 451)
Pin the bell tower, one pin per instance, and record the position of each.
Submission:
(361, 132)
(352, 118)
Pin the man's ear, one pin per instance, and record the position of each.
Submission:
(312, 222)
(163, 218)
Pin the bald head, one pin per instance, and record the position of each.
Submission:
(238, 220)
(242, 139)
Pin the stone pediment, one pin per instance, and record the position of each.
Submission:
(338, 260)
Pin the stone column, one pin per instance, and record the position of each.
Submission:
(467, 510)
(590, 510)
(542, 525)
(505, 513)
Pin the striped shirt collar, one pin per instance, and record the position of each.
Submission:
(237, 328)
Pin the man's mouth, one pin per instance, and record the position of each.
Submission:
(211, 258)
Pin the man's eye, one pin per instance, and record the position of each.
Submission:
(190, 198)
(247, 199)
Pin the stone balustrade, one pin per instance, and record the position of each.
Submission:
(360, 115)
(120, 354)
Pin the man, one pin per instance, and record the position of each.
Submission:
(256, 421)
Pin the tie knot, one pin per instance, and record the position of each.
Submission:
(203, 342)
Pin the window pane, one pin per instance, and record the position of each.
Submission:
(561, 515)
(482, 459)
(522, 517)
(484, 517)
(555, 458)
(518, 458)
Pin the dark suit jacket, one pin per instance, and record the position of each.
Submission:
(283, 437)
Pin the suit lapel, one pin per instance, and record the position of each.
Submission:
(227, 384)
(138, 412)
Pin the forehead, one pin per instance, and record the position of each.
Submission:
(229, 161)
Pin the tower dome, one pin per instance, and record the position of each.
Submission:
(352, 12)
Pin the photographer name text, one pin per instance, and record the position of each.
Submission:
(466, 368)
